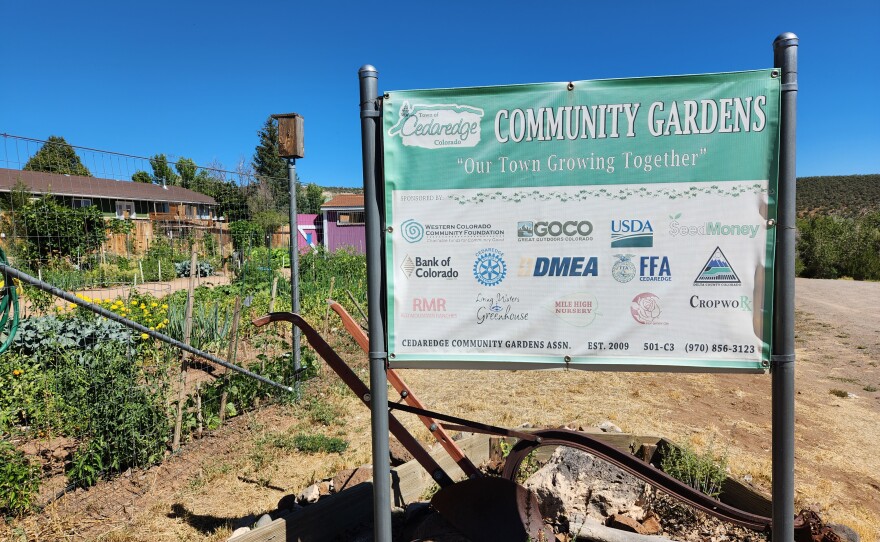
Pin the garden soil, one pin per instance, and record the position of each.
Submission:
(229, 478)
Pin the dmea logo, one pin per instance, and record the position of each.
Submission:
(631, 233)
(412, 231)
(438, 125)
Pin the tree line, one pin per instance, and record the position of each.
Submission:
(260, 193)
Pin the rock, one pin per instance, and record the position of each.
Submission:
(325, 487)
(609, 427)
(399, 454)
(625, 523)
(651, 524)
(240, 531)
(574, 483)
(845, 533)
(309, 495)
(264, 520)
(288, 502)
(351, 477)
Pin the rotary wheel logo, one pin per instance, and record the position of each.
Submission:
(623, 269)
(490, 269)
(412, 231)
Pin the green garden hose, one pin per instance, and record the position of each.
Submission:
(8, 303)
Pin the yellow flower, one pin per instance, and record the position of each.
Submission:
(133, 303)
(154, 304)
(144, 336)
(79, 296)
(16, 372)
(70, 305)
(165, 321)
(152, 328)
(87, 299)
(106, 301)
(164, 306)
(142, 306)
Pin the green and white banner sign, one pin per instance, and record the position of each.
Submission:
(620, 224)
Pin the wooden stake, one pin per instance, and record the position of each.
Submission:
(327, 312)
(187, 335)
(141, 267)
(230, 353)
(274, 290)
(199, 408)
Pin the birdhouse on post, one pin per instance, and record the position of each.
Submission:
(290, 135)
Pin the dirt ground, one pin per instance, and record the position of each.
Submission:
(242, 470)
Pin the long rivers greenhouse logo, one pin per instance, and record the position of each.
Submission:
(438, 126)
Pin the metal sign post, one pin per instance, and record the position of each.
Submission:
(370, 116)
(785, 49)
(291, 146)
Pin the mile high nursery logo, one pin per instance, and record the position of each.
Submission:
(717, 272)
(436, 126)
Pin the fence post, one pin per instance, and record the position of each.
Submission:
(230, 353)
(187, 335)
(294, 272)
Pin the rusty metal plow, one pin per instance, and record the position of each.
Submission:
(488, 508)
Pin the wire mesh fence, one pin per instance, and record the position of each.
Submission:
(88, 404)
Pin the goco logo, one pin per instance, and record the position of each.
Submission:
(542, 228)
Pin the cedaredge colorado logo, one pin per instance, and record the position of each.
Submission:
(438, 125)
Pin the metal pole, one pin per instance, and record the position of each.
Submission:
(370, 120)
(294, 271)
(785, 49)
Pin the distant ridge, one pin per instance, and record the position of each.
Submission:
(840, 195)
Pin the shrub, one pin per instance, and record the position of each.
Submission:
(53, 229)
(700, 471)
(245, 234)
(19, 480)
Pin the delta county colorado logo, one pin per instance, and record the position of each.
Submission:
(631, 233)
(717, 272)
(645, 308)
(436, 126)
(489, 267)
(412, 231)
(543, 230)
(428, 268)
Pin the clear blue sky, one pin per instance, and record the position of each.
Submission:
(198, 79)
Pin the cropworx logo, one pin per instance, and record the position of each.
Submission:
(438, 125)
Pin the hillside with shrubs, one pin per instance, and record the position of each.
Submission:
(839, 227)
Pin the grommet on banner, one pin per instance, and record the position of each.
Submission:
(570, 86)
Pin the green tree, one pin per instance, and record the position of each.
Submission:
(269, 167)
(141, 176)
(162, 172)
(186, 168)
(54, 229)
(311, 202)
(57, 156)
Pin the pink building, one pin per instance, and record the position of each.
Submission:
(344, 224)
(308, 231)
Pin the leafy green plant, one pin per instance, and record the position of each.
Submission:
(38, 334)
(19, 480)
(205, 269)
(702, 471)
(312, 444)
(54, 229)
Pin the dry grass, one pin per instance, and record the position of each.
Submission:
(239, 473)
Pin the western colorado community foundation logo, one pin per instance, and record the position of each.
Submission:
(490, 268)
(412, 231)
(717, 272)
(437, 126)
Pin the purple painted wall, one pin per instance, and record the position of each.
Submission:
(336, 237)
(309, 228)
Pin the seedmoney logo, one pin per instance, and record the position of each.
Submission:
(435, 126)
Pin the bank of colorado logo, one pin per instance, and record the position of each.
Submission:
(428, 268)
(543, 230)
(645, 308)
(412, 231)
(623, 269)
(631, 232)
(717, 272)
(489, 267)
(435, 126)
